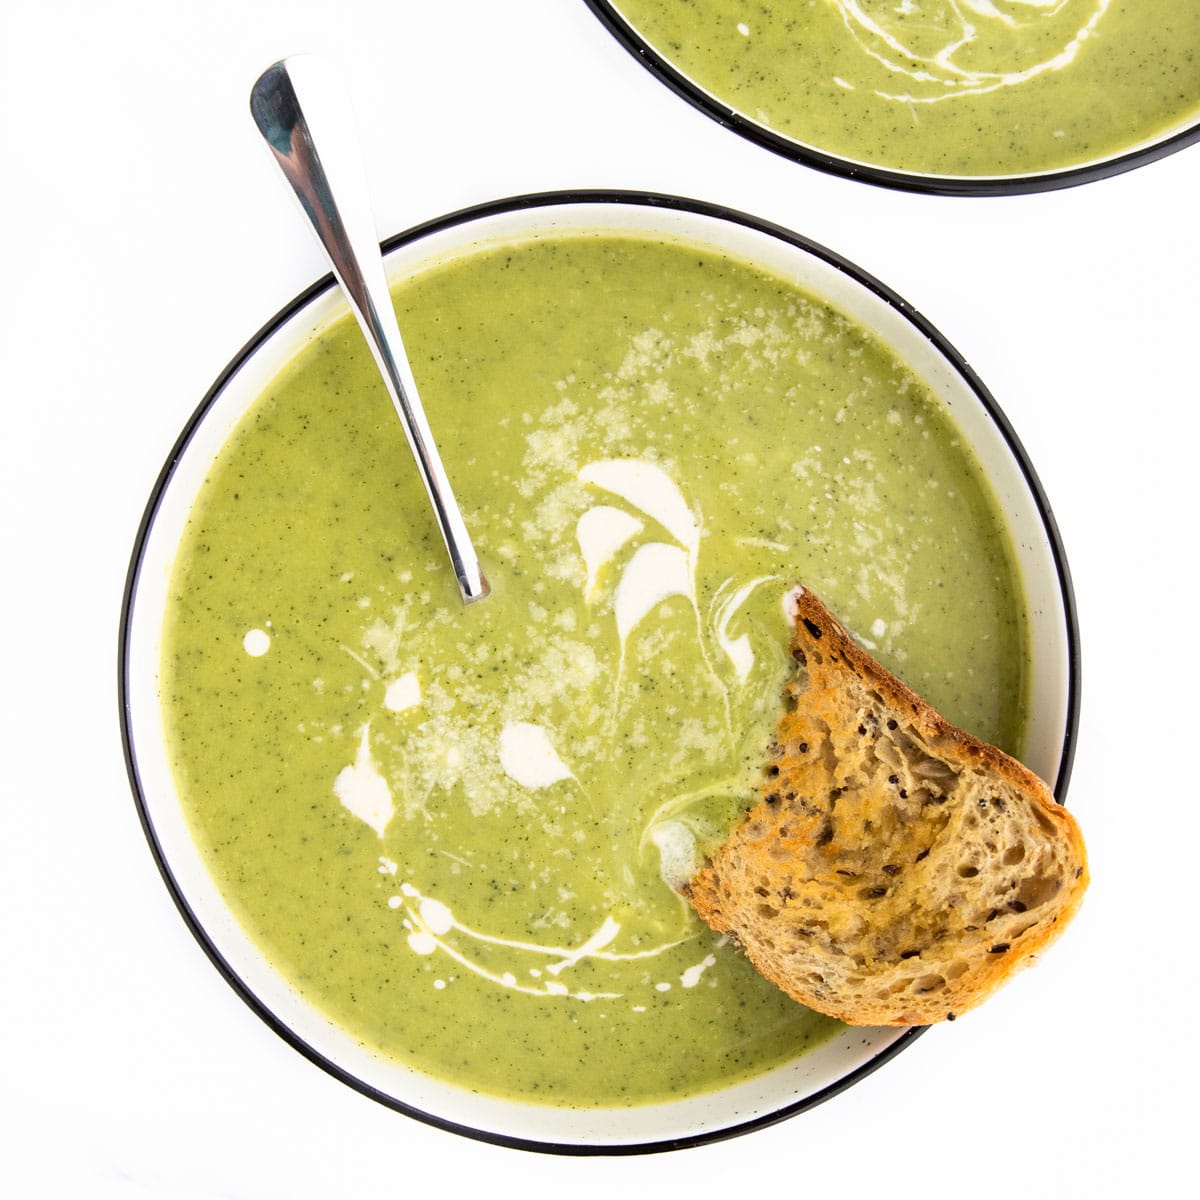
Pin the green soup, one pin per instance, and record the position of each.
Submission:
(453, 829)
(942, 87)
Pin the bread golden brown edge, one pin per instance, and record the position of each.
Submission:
(895, 869)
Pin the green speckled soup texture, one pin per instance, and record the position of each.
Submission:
(449, 828)
(942, 87)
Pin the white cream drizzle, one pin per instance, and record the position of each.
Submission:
(738, 650)
(528, 757)
(655, 573)
(597, 942)
(362, 790)
(878, 26)
(692, 975)
(649, 488)
(430, 923)
(657, 570)
(403, 693)
(256, 642)
(601, 532)
(676, 846)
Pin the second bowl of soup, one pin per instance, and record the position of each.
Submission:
(967, 96)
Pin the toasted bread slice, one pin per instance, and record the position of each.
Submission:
(896, 869)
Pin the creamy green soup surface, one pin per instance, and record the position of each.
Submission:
(942, 87)
(453, 830)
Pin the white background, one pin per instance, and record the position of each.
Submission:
(147, 235)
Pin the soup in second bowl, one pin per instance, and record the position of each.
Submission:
(955, 88)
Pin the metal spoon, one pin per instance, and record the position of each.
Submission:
(296, 106)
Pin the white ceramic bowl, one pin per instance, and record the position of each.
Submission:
(788, 1090)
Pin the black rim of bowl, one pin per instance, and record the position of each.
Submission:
(812, 156)
(465, 216)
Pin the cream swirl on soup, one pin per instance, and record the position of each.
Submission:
(940, 49)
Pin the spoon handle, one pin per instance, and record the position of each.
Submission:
(297, 107)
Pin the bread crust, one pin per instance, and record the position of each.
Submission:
(896, 869)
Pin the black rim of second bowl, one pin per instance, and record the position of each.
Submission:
(939, 185)
(465, 216)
